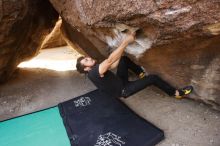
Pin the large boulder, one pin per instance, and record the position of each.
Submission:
(23, 25)
(55, 38)
(178, 39)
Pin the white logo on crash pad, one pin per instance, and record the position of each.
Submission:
(109, 139)
(82, 101)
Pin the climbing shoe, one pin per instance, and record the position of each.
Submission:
(141, 75)
(184, 91)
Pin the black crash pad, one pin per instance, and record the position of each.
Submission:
(96, 119)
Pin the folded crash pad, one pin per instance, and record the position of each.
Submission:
(97, 119)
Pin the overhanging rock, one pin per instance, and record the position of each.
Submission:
(179, 40)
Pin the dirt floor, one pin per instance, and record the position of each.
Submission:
(185, 122)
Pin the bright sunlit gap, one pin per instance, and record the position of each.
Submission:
(59, 59)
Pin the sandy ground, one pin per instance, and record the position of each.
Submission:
(185, 122)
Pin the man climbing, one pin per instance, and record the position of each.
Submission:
(118, 85)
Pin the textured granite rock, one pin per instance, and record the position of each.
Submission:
(23, 25)
(169, 19)
(177, 39)
(194, 61)
(55, 38)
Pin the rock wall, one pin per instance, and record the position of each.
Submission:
(23, 25)
(177, 39)
(79, 42)
(55, 38)
(194, 61)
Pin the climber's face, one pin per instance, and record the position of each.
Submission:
(88, 62)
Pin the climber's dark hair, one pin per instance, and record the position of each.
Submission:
(79, 66)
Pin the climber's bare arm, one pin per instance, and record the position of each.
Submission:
(115, 64)
(113, 59)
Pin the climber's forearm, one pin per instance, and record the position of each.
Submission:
(115, 64)
(116, 54)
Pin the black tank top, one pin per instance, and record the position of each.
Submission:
(110, 83)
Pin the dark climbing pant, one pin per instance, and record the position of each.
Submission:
(131, 87)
